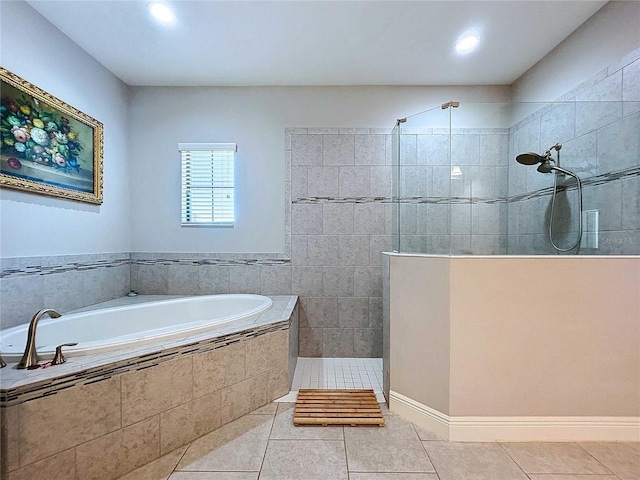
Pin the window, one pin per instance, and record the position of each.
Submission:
(207, 183)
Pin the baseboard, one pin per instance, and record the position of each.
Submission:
(516, 429)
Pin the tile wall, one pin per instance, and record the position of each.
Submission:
(463, 214)
(105, 427)
(208, 274)
(598, 124)
(64, 283)
(340, 224)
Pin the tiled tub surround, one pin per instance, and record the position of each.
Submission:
(65, 283)
(208, 274)
(100, 417)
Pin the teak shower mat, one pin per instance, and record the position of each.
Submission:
(337, 407)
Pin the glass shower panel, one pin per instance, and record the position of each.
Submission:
(422, 178)
(395, 191)
(479, 178)
(459, 189)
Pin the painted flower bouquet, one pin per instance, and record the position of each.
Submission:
(35, 132)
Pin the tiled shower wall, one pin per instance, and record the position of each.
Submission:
(340, 224)
(440, 213)
(598, 124)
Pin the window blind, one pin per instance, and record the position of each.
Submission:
(208, 183)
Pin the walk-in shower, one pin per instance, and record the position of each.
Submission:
(548, 165)
(470, 224)
(458, 191)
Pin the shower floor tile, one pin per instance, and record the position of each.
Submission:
(339, 373)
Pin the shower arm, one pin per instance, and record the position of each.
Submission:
(557, 148)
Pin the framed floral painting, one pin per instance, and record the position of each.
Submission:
(48, 147)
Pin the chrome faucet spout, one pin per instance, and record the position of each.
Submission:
(30, 357)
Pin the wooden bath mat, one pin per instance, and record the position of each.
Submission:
(337, 407)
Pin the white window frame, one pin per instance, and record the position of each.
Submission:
(207, 169)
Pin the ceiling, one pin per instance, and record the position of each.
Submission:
(317, 43)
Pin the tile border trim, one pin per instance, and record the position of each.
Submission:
(62, 267)
(587, 182)
(213, 261)
(596, 180)
(25, 393)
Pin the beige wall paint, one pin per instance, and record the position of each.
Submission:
(610, 34)
(419, 330)
(545, 336)
(528, 336)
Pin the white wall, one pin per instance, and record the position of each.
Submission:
(609, 35)
(254, 118)
(35, 225)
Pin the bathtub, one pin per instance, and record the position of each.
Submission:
(127, 326)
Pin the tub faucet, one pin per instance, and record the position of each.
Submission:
(30, 357)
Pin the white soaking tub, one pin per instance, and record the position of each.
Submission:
(128, 326)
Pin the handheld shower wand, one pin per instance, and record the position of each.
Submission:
(547, 165)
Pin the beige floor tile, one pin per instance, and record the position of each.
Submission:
(622, 458)
(268, 409)
(304, 459)
(392, 448)
(159, 469)
(480, 461)
(395, 428)
(393, 476)
(566, 458)
(573, 477)
(283, 428)
(214, 476)
(426, 435)
(237, 446)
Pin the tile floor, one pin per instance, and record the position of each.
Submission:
(265, 445)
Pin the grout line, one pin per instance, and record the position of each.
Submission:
(602, 464)
(513, 459)
(425, 451)
(266, 447)
(173, 470)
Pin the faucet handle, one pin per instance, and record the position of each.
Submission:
(58, 358)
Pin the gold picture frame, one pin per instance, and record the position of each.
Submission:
(47, 146)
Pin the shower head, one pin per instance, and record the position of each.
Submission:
(546, 167)
(531, 158)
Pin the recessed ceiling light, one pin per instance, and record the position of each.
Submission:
(162, 13)
(467, 43)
